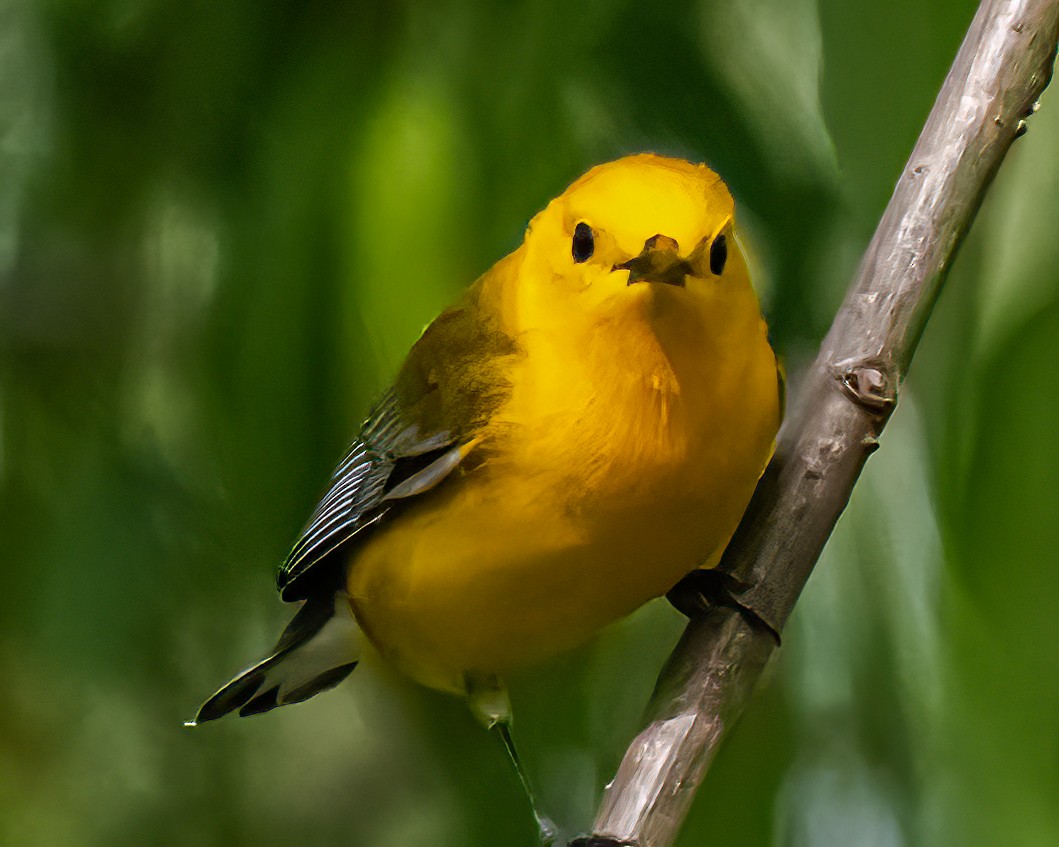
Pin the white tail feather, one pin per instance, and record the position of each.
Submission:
(318, 649)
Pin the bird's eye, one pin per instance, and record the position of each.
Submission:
(584, 242)
(718, 255)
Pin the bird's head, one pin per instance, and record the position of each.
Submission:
(644, 236)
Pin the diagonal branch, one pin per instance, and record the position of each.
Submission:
(846, 398)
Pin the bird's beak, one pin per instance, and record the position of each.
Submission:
(659, 261)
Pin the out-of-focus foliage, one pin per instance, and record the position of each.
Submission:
(221, 224)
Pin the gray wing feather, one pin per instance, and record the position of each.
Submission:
(387, 461)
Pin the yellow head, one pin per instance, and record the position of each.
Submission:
(639, 237)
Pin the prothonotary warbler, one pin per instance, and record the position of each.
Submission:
(583, 429)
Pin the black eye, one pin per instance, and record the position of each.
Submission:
(584, 242)
(718, 255)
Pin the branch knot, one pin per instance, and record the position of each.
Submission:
(870, 387)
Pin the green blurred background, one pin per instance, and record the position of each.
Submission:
(222, 224)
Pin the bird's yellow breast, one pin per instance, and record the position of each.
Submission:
(622, 459)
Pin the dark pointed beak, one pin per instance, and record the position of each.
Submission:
(659, 261)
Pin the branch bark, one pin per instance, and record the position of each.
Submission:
(846, 398)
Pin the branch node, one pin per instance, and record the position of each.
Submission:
(868, 386)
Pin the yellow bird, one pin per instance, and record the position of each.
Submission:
(583, 429)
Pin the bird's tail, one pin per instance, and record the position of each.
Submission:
(317, 650)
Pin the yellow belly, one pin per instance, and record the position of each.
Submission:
(573, 520)
(480, 582)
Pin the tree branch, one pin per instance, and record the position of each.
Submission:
(846, 398)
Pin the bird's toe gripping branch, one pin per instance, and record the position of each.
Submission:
(704, 588)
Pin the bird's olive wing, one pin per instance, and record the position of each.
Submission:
(389, 461)
(449, 386)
